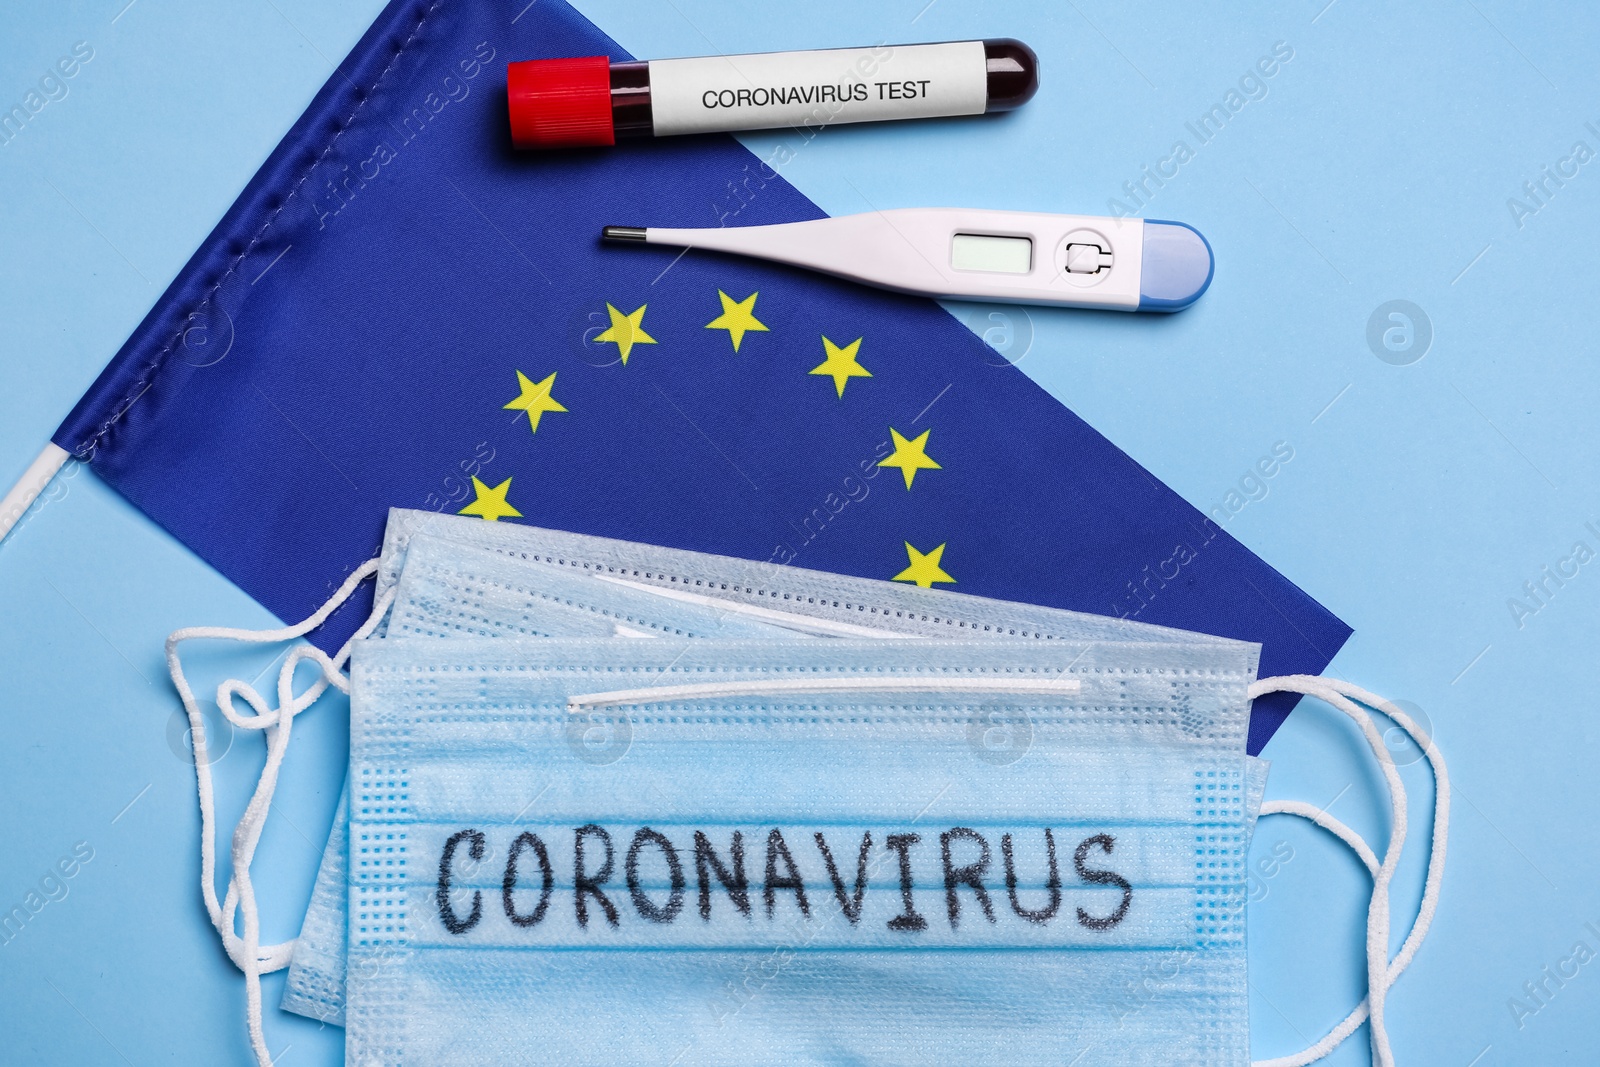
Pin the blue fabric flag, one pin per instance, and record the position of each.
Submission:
(400, 310)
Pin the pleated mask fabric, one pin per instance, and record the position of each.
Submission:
(455, 577)
(448, 591)
(839, 605)
(805, 853)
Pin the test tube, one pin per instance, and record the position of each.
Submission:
(591, 101)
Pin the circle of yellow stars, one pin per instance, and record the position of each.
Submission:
(841, 364)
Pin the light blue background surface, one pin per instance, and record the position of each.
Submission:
(1419, 500)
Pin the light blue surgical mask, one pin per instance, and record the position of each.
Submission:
(824, 604)
(450, 590)
(835, 604)
(806, 855)
(455, 577)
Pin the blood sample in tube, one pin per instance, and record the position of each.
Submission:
(591, 101)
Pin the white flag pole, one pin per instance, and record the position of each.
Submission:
(33, 482)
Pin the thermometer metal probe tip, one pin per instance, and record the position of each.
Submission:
(622, 233)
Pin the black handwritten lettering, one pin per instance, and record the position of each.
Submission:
(909, 920)
(1098, 877)
(649, 909)
(508, 886)
(965, 855)
(1043, 915)
(851, 906)
(585, 884)
(970, 874)
(706, 862)
(776, 849)
(452, 922)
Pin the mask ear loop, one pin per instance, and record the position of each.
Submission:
(246, 952)
(1381, 973)
(1358, 844)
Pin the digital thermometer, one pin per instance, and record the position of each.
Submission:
(1010, 257)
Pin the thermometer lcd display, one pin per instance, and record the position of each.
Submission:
(1002, 255)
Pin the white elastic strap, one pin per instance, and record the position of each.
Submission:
(1369, 859)
(756, 687)
(1299, 808)
(247, 952)
(1381, 972)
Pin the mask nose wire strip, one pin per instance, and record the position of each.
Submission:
(1381, 973)
(246, 952)
(866, 683)
(813, 623)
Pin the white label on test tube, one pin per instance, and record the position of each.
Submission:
(813, 89)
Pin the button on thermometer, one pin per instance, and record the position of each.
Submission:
(1009, 257)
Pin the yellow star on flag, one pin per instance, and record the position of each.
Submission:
(535, 399)
(910, 456)
(841, 364)
(626, 331)
(738, 317)
(491, 503)
(924, 569)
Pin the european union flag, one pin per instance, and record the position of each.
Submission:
(401, 310)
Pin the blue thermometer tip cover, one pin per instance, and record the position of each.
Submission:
(1176, 268)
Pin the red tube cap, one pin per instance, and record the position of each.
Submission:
(560, 103)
